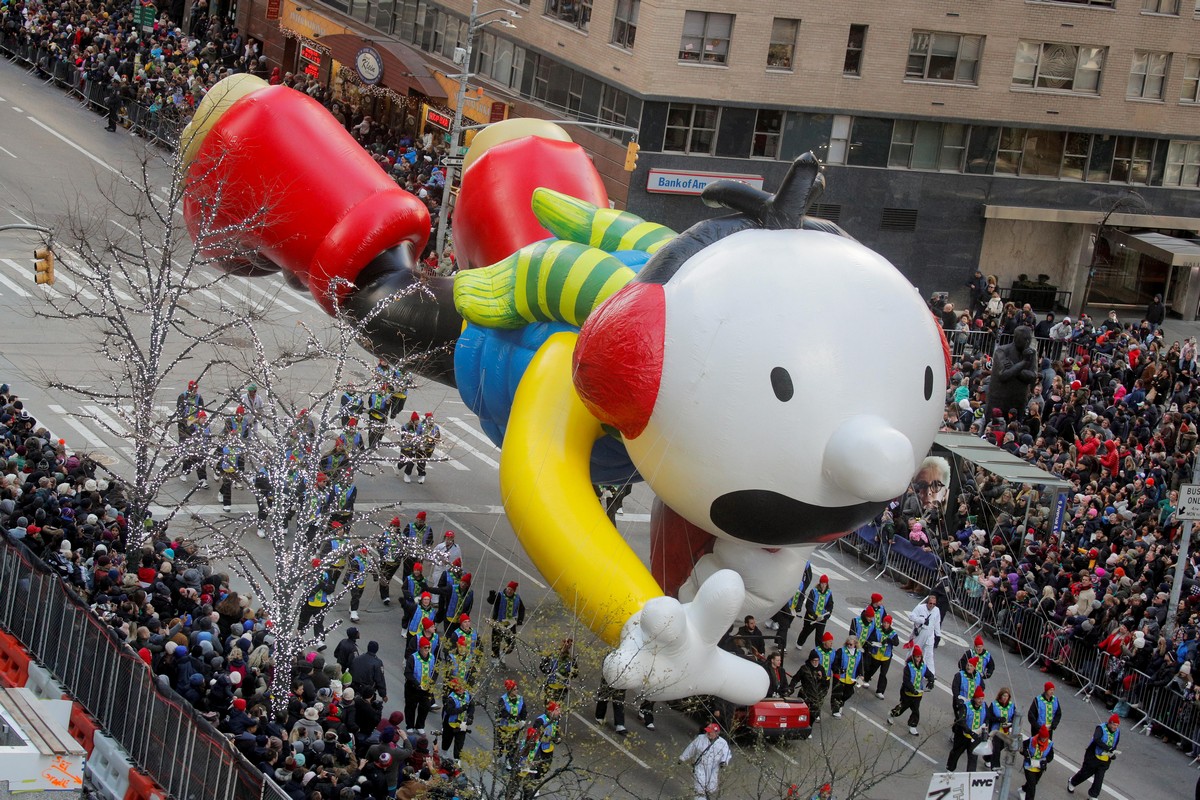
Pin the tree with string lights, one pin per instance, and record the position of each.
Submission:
(157, 313)
(299, 460)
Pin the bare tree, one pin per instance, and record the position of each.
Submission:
(298, 457)
(152, 306)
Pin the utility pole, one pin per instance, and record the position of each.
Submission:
(1189, 512)
(1010, 756)
(475, 23)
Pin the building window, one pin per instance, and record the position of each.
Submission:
(541, 79)
(1183, 164)
(768, 127)
(572, 12)
(1108, 3)
(1147, 75)
(1132, 158)
(625, 23)
(706, 37)
(782, 49)
(928, 145)
(614, 108)
(1058, 67)
(1161, 7)
(855, 44)
(839, 140)
(575, 94)
(944, 57)
(1191, 80)
(691, 128)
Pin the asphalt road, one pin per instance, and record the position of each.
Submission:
(55, 156)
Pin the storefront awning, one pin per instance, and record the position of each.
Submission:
(1168, 249)
(1081, 217)
(404, 70)
(997, 461)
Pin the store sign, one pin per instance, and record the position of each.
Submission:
(670, 181)
(274, 9)
(307, 23)
(499, 112)
(438, 120)
(369, 65)
(310, 61)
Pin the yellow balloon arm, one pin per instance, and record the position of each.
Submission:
(545, 481)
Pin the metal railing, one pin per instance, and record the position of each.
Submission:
(158, 125)
(979, 343)
(161, 732)
(1029, 633)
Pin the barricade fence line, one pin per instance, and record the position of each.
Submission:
(161, 126)
(1029, 633)
(159, 730)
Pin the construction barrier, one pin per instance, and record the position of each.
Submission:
(142, 788)
(83, 727)
(109, 768)
(14, 662)
(44, 685)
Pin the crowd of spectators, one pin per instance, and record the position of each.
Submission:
(98, 49)
(1114, 414)
(202, 639)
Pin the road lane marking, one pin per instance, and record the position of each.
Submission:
(20, 292)
(10, 152)
(595, 729)
(462, 529)
(477, 434)
(71, 144)
(894, 736)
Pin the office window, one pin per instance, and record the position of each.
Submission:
(625, 23)
(782, 50)
(1191, 80)
(768, 127)
(839, 140)
(1161, 7)
(691, 128)
(928, 145)
(1132, 158)
(614, 108)
(855, 44)
(1183, 164)
(1148, 75)
(541, 78)
(575, 94)
(572, 12)
(944, 57)
(1058, 67)
(706, 37)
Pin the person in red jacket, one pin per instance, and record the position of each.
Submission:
(1088, 445)
(1110, 459)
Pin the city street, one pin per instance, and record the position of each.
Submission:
(56, 156)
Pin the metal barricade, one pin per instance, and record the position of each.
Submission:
(159, 730)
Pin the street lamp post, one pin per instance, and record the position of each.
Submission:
(475, 23)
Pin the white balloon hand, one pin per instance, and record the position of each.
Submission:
(669, 650)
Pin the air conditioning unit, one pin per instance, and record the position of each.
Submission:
(460, 56)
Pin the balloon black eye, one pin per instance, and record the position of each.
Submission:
(928, 382)
(781, 384)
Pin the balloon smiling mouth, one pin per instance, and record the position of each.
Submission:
(773, 519)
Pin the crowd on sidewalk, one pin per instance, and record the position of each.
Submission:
(165, 72)
(216, 647)
(1116, 418)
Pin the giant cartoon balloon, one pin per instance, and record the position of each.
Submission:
(774, 381)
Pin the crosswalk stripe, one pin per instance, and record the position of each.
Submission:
(114, 426)
(20, 292)
(471, 430)
(24, 273)
(73, 287)
(84, 431)
(481, 456)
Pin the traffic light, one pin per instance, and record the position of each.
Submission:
(631, 154)
(44, 267)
